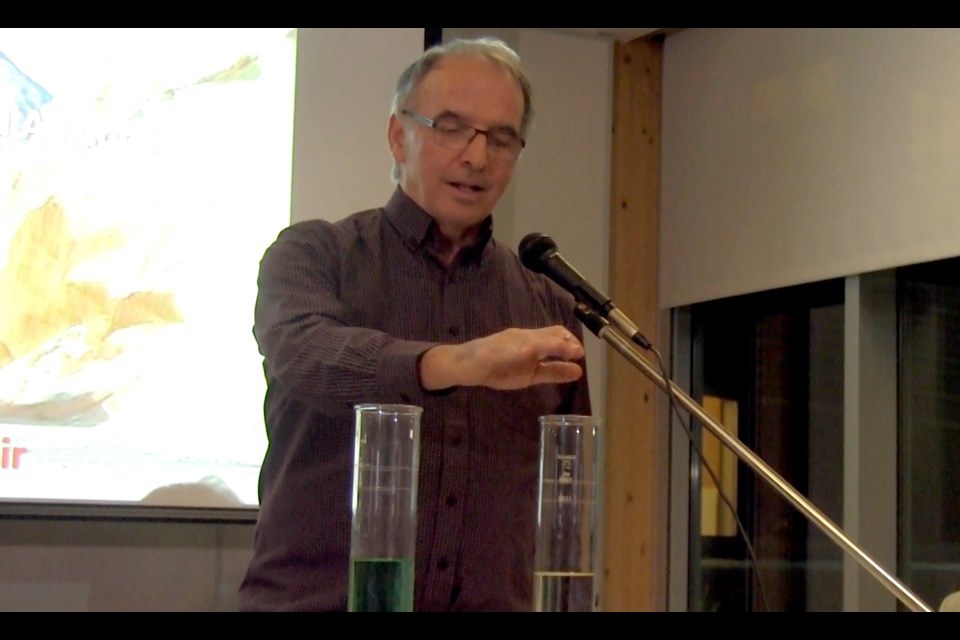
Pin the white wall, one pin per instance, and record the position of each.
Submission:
(346, 79)
(798, 155)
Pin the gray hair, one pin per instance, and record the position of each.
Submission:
(492, 49)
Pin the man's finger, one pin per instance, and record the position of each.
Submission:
(555, 371)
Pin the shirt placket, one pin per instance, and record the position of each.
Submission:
(454, 479)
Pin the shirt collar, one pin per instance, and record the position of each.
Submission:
(417, 228)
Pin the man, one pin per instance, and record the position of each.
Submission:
(416, 303)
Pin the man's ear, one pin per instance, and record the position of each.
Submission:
(397, 137)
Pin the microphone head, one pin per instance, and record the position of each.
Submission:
(533, 248)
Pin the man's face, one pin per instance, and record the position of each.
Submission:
(458, 188)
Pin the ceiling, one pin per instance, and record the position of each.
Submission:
(619, 33)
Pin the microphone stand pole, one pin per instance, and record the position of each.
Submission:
(602, 329)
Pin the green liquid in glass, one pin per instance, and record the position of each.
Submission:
(380, 585)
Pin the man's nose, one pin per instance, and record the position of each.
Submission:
(476, 153)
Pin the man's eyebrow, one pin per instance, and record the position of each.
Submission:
(448, 114)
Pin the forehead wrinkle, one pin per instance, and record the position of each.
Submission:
(490, 89)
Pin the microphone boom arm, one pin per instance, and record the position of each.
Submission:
(603, 330)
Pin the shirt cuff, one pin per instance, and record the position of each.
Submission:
(400, 366)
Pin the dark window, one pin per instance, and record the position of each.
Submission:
(769, 367)
(929, 427)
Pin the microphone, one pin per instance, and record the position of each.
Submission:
(539, 253)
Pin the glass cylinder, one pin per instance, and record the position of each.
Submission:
(567, 516)
(383, 539)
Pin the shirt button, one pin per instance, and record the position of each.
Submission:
(451, 501)
(404, 398)
(454, 330)
(442, 564)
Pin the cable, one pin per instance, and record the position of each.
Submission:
(597, 324)
(726, 500)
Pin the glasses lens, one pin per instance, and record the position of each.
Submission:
(505, 142)
(453, 133)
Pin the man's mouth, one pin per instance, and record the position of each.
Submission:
(465, 186)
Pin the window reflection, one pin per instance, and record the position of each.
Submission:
(929, 426)
(774, 361)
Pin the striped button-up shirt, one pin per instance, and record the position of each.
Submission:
(344, 311)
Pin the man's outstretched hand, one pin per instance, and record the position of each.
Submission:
(510, 359)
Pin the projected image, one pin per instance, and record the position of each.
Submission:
(143, 172)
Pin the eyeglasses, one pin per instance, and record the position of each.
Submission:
(453, 133)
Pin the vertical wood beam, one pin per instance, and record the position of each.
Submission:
(636, 472)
